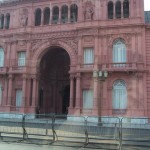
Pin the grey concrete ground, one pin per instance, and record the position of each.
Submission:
(22, 146)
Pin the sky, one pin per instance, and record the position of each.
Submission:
(147, 4)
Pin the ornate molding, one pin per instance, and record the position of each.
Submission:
(72, 42)
(125, 36)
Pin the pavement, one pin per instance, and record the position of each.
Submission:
(61, 146)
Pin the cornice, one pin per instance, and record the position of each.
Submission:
(7, 3)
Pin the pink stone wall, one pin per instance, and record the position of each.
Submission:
(98, 32)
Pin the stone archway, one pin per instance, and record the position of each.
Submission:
(54, 82)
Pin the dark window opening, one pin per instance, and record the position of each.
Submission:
(73, 13)
(55, 15)
(38, 17)
(126, 9)
(118, 9)
(64, 14)
(110, 10)
(46, 16)
(2, 21)
(7, 21)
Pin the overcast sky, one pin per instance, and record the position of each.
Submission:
(147, 4)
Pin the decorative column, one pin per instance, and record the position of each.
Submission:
(59, 19)
(96, 53)
(42, 18)
(10, 82)
(78, 93)
(95, 102)
(34, 92)
(24, 91)
(122, 16)
(68, 14)
(51, 16)
(5, 91)
(5, 21)
(71, 91)
(114, 16)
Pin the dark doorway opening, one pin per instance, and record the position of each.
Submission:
(54, 83)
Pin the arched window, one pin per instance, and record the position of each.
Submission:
(55, 15)
(119, 95)
(119, 52)
(73, 13)
(7, 21)
(110, 10)
(1, 94)
(46, 16)
(64, 14)
(2, 21)
(118, 9)
(38, 17)
(126, 9)
(1, 57)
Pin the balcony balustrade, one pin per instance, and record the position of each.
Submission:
(119, 67)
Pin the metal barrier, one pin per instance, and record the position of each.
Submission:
(11, 125)
(70, 128)
(104, 130)
(135, 130)
(39, 127)
(84, 130)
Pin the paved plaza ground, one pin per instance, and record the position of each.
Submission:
(22, 146)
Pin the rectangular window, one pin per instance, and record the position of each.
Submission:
(21, 58)
(87, 99)
(88, 56)
(18, 98)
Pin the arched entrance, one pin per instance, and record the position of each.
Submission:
(54, 83)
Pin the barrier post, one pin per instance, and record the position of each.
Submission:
(25, 135)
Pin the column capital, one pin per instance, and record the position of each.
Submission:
(10, 76)
(72, 76)
(78, 75)
(24, 76)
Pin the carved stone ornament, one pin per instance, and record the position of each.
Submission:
(22, 43)
(72, 42)
(24, 17)
(125, 36)
(88, 10)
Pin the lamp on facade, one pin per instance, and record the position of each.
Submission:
(100, 76)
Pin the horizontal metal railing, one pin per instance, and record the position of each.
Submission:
(86, 130)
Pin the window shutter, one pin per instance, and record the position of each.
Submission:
(88, 56)
(119, 95)
(18, 98)
(87, 99)
(119, 52)
(21, 58)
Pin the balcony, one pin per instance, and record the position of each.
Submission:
(3, 70)
(86, 67)
(119, 67)
(18, 65)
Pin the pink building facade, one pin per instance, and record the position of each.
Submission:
(82, 57)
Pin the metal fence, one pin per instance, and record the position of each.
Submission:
(48, 129)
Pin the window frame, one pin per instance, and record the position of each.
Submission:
(84, 56)
(19, 60)
(117, 90)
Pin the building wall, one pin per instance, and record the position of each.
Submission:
(98, 32)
